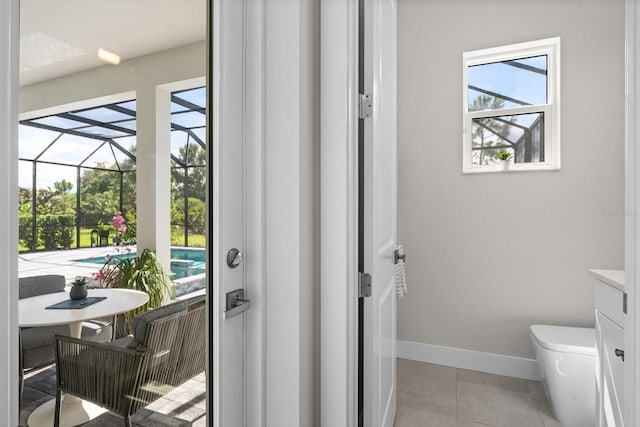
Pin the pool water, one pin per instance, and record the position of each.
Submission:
(184, 262)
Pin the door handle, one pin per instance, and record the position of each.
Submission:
(620, 353)
(236, 303)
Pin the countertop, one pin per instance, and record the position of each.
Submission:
(613, 278)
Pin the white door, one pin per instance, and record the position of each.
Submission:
(226, 211)
(379, 212)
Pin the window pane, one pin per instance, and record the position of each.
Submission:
(189, 119)
(508, 84)
(33, 141)
(522, 135)
(196, 96)
(129, 105)
(102, 114)
(60, 122)
(128, 124)
(104, 132)
(70, 150)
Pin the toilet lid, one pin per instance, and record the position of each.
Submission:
(566, 339)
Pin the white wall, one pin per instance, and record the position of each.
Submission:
(490, 254)
(168, 66)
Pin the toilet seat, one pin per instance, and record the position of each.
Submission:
(565, 339)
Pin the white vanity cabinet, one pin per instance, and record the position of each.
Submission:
(610, 306)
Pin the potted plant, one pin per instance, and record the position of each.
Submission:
(143, 273)
(78, 288)
(504, 157)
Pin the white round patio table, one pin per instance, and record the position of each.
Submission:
(32, 312)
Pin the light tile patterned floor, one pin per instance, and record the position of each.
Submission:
(439, 396)
(428, 396)
(182, 407)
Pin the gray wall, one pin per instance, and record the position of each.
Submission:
(490, 254)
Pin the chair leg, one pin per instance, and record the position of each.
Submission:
(114, 325)
(127, 420)
(56, 414)
(21, 386)
(20, 369)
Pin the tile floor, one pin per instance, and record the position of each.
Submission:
(182, 407)
(428, 396)
(439, 396)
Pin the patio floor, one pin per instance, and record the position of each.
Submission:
(184, 406)
(64, 262)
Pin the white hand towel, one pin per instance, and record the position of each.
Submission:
(401, 276)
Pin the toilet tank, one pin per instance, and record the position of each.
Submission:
(566, 360)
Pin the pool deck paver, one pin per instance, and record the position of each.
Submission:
(183, 406)
(64, 262)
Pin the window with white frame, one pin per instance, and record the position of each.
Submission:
(511, 107)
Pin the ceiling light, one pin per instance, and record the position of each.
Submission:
(109, 57)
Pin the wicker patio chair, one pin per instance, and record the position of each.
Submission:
(167, 349)
(37, 345)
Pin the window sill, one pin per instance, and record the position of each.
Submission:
(497, 168)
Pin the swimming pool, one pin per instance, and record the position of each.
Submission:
(185, 262)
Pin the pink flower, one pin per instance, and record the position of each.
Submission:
(118, 222)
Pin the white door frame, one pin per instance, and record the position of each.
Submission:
(227, 379)
(339, 213)
(255, 272)
(632, 212)
(9, 59)
(276, 392)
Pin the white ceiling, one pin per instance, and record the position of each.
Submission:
(59, 37)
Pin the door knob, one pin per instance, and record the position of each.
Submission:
(234, 258)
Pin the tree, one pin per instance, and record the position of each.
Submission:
(191, 155)
(62, 190)
(489, 132)
(100, 193)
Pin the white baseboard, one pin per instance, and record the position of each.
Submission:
(500, 364)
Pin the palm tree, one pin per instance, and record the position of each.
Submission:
(62, 189)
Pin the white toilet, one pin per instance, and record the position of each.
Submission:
(567, 361)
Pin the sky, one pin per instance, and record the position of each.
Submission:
(68, 149)
(514, 82)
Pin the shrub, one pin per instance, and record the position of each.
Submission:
(25, 230)
(56, 230)
(66, 226)
(48, 227)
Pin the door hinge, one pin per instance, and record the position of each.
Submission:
(364, 285)
(365, 105)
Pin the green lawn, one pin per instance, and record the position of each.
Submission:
(177, 239)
